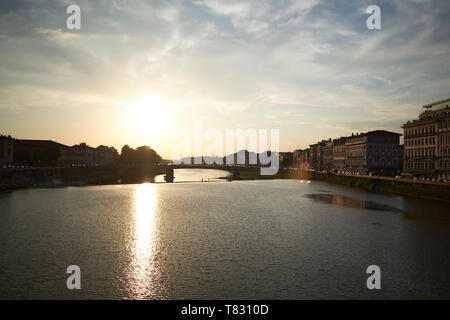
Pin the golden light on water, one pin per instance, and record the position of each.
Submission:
(142, 272)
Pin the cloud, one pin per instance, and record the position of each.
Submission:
(256, 16)
(55, 33)
(224, 58)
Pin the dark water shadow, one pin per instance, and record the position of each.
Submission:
(413, 209)
(349, 202)
(420, 209)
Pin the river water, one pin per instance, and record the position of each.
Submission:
(271, 239)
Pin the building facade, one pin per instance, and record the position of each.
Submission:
(316, 155)
(339, 153)
(6, 150)
(301, 159)
(285, 159)
(328, 155)
(297, 158)
(384, 153)
(306, 159)
(104, 155)
(82, 154)
(427, 142)
(38, 153)
(375, 152)
(443, 145)
(355, 153)
(79, 154)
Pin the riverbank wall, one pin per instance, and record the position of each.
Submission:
(11, 179)
(419, 189)
(405, 187)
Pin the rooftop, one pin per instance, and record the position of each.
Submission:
(438, 104)
(373, 132)
(39, 142)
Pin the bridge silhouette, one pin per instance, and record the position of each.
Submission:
(208, 166)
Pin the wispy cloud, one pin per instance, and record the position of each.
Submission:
(55, 33)
(228, 60)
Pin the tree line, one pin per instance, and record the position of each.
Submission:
(47, 153)
(143, 154)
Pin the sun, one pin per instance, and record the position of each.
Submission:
(148, 117)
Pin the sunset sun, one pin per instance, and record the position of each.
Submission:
(148, 117)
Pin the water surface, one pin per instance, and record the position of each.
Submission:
(196, 175)
(227, 240)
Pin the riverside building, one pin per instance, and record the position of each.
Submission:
(6, 150)
(427, 142)
(375, 152)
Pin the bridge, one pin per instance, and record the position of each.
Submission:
(133, 173)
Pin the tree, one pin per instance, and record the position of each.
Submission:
(143, 154)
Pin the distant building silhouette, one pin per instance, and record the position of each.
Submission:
(37, 152)
(339, 153)
(84, 155)
(328, 155)
(316, 155)
(286, 159)
(6, 150)
(301, 159)
(48, 153)
(377, 152)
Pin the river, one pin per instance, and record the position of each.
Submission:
(262, 239)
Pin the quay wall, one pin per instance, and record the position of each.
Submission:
(11, 179)
(47, 177)
(400, 186)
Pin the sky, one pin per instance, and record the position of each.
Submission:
(138, 70)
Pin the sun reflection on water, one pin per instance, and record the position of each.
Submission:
(142, 271)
